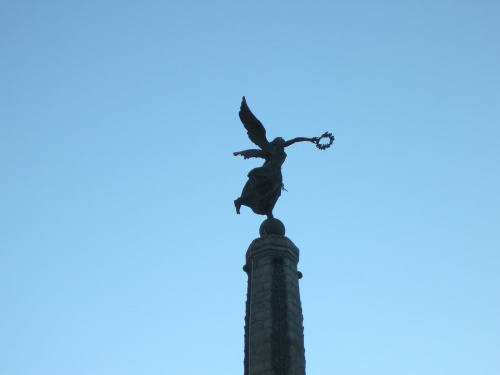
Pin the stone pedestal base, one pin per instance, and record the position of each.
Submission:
(274, 334)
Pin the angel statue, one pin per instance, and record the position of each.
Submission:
(264, 185)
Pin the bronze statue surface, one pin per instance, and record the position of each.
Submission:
(264, 185)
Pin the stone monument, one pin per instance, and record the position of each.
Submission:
(274, 333)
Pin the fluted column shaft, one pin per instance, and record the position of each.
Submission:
(274, 338)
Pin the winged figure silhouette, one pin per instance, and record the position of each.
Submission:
(264, 185)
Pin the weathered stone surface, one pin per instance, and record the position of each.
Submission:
(274, 338)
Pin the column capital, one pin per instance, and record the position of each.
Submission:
(272, 244)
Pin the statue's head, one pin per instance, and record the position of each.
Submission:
(277, 141)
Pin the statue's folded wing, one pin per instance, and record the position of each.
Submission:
(255, 130)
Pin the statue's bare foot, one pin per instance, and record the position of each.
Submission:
(237, 204)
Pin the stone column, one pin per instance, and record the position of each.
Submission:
(274, 334)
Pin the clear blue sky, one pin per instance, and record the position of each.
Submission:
(120, 251)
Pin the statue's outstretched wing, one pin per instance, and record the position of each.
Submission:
(255, 130)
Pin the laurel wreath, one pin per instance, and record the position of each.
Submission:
(326, 145)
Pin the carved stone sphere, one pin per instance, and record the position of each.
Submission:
(272, 226)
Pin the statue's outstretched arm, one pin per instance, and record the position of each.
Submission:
(251, 154)
(300, 139)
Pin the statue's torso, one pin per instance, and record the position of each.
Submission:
(277, 158)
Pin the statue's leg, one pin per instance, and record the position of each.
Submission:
(237, 204)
